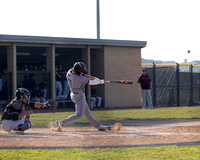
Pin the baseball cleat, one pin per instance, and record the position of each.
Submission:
(104, 128)
(15, 131)
(58, 126)
(108, 128)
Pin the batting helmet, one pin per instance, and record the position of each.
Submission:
(80, 67)
(20, 94)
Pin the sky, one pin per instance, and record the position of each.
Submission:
(170, 27)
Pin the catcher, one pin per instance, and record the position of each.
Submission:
(15, 119)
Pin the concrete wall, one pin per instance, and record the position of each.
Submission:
(122, 63)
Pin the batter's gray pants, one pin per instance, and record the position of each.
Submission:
(82, 108)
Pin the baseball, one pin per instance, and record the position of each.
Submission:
(188, 51)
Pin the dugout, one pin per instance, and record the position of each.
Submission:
(106, 59)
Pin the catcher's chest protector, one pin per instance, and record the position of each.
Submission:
(10, 113)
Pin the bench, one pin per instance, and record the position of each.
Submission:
(65, 104)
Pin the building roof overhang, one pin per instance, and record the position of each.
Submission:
(69, 41)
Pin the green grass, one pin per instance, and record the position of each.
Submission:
(156, 153)
(106, 115)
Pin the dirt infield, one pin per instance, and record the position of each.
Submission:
(133, 133)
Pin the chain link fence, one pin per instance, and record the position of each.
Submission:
(174, 85)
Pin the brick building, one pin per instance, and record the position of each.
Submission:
(106, 59)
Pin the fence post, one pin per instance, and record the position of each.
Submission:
(154, 85)
(177, 85)
(191, 85)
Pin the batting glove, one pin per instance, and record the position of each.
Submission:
(102, 81)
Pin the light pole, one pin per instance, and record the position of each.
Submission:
(98, 20)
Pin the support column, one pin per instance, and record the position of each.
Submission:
(87, 61)
(50, 62)
(12, 68)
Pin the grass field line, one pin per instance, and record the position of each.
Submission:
(196, 123)
(126, 133)
(150, 132)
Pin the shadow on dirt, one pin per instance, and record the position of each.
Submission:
(119, 146)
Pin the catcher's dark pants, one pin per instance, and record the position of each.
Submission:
(82, 108)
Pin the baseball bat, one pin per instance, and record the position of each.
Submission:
(39, 104)
(50, 104)
(120, 82)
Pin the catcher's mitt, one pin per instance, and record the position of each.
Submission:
(51, 105)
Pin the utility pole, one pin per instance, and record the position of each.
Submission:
(98, 20)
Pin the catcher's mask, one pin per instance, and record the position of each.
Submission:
(79, 67)
(23, 94)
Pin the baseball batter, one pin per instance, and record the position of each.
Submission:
(77, 82)
(15, 119)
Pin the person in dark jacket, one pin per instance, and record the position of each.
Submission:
(58, 81)
(145, 88)
(43, 88)
(31, 83)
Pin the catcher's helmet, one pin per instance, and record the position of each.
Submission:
(20, 94)
(80, 67)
